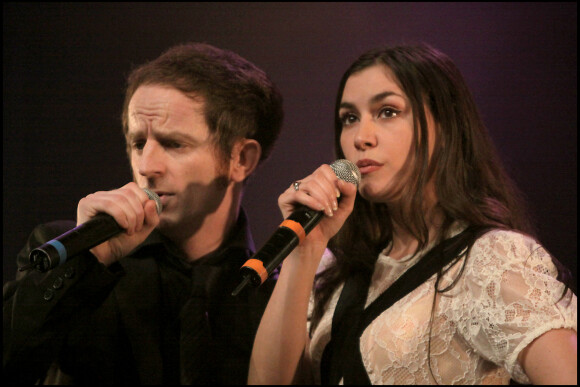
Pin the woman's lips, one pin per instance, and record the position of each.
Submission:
(367, 166)
(368, 169)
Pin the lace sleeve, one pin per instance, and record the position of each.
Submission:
(510, 297)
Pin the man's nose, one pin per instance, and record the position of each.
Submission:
(151, 162)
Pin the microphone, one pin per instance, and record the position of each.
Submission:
(83, 237)
(290, 233)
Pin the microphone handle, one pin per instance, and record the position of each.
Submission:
(290, 233)
(271, 255)
(83, 237)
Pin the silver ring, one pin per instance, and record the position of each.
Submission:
(296, 185)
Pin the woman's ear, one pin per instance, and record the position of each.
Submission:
(246, 155)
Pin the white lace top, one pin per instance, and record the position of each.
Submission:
(506, 297)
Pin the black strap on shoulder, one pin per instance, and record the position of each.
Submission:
(348, 310)
(341, 357)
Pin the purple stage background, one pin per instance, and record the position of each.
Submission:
(65, 67)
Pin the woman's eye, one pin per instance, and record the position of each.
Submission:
(347, 119)
(389, 113)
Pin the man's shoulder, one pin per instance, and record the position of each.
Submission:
(50, 230)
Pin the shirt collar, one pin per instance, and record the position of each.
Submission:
(239, 239)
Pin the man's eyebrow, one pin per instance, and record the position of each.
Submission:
(173, 136)
(132, 135)
(164, 136)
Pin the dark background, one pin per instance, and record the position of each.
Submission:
(65, 67)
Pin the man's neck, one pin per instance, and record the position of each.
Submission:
(210, 236)
(214, 227)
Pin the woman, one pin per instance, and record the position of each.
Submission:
(433, 192)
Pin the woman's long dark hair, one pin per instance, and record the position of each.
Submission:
(471, 184)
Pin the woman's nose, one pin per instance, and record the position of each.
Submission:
(365, 136)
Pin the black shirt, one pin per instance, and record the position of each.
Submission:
(123, 324)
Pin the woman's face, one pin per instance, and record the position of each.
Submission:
(377, 132)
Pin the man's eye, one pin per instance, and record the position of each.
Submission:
(172, 144)
(138, 145)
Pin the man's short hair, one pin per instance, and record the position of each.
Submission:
(240, 101)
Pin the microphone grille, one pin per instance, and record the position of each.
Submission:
(153, 196)
(346, 170)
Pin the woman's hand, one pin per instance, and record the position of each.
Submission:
(321, 191)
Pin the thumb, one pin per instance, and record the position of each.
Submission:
(347, 193)
(151, 215)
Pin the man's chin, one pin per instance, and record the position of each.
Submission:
(165, 223)
(172, 229)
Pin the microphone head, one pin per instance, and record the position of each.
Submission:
(153, 196)
(346, 170)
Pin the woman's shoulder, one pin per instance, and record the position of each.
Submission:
(509, 244)
(499, 250)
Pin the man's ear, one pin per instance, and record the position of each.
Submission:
(245, 158)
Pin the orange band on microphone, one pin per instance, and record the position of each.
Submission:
(258, 267)
(296, 227)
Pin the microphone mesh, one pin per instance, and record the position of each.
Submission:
(153, 196)
(346, 170)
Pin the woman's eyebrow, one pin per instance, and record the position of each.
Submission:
(373, 99)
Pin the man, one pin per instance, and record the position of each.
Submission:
(153, 305)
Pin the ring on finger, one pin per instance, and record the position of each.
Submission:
(296, 185)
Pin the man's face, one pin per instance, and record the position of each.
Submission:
(172, 153)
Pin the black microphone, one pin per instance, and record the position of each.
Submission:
(83, 237)
(290, 233)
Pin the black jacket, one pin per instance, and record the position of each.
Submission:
(120, 324)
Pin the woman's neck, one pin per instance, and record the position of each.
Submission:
(404, 241)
